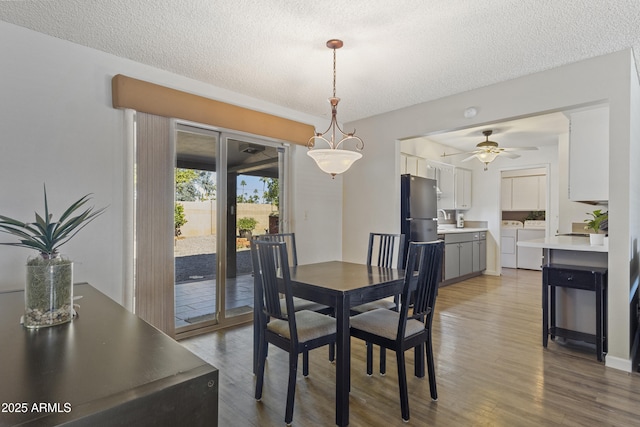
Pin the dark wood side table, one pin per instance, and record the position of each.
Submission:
(105, 368)
(575, 277)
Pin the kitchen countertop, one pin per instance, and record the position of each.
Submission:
(567, 243)
(460, 230)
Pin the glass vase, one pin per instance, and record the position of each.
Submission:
(48, 295)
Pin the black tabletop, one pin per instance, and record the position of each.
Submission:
(102, 358)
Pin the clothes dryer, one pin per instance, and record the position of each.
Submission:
(508, 239)
(531, 258)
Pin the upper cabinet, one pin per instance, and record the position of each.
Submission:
(413, 165)
(443, 173)
(407, 164)
(524, 190)
(462, 189)
(589, 155)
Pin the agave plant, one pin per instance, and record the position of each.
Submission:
(46, 235)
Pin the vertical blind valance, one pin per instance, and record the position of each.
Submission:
(159, 100)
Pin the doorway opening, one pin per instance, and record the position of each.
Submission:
(524, 207)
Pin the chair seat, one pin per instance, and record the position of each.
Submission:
(302, 304)
(310, 325)
(380, 326)
(384, 323)
(382, 303)
(297, 332)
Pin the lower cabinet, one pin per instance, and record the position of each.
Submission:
(465, 255)
(480, 253)
(458, 259)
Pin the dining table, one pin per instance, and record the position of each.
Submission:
(341, 285)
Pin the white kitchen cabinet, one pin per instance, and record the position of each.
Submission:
(413, 165)
(421, 168)
(589, 155)
(505, 193)
(443, 173)
(462, 188)
(542, 193)
(409, 164)
(524, 193)
(447, 185)
(403, 163)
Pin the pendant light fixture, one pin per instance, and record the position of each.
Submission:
(335, 159)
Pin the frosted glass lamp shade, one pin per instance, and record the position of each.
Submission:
(334, 161)
(487, 156)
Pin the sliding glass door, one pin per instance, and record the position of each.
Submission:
(228, 189)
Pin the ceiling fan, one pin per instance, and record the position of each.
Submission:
(487, 151)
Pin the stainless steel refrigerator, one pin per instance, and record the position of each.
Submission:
(419, 209)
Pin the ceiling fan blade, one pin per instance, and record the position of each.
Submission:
(468, 158)
(519, 148)
(456, 154)
(509, 155)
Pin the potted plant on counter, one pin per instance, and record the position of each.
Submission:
(597, 225)
(49, 285)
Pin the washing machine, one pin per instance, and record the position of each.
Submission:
(531, 258)
(508, 240)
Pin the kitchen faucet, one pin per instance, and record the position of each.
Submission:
(444, 214)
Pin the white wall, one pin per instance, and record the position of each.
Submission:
(59, 128)
(633, 160)
(372, 186)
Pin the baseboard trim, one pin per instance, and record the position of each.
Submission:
(618, 363)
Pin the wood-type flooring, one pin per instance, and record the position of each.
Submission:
(490, 364)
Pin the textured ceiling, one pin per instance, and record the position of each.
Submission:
(534, 131)
(395, 54)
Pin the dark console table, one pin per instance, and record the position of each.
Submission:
(575, 277)
(105, 368)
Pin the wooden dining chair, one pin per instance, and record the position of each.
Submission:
(384, 250)
(290, 240)
(293, 331)
(403, 330)
(298, 303)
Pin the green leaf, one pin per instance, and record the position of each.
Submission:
(75, 206)
(46, 235)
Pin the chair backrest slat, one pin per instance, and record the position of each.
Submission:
(422, 276)
(288, 238)
(385, 250)
(271, 265)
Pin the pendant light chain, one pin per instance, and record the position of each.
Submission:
(334, 73)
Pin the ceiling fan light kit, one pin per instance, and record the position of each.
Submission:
(334, 160)
(487, 151)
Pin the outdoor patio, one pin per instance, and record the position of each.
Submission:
(195, 292)
(196, 301)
